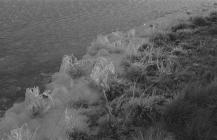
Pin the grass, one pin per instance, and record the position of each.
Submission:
(193, 116)
(158, 73)
(22, 133)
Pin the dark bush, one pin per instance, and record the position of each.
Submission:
(135, 73)
(194, 116)
(182, 26)
(78, 136)
(213, 30)
(212, 17)
(144, 47)
(199, 21)
(160, 39)
(116, 89)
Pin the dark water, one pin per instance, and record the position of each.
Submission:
(34, 35)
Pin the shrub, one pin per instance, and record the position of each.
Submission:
(145, 111)
(213, 30)
(182, 26)
(116, 89)
(22, 133)
(212, 17)
(199, 21)
(193, 115)
(76, 68)
(37, 103)
(154, 133)
(160, 39)
(102, 72)
(136, 72)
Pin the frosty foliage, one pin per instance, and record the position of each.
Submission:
(117, 42)
(74, 121)
(67, 63)
(22, 133)
(76, 68)
(102, 72)
(37, 103)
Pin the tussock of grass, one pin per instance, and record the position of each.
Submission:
(182, 26)
(154, 133)
(199, 21)
(22, 133)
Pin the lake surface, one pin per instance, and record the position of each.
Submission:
(35, 34)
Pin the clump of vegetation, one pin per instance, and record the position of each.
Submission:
(145, 94)
(193, 115)
(22, 133)
(37, 103)
(182, 26)
(199, 21)
(154, 133)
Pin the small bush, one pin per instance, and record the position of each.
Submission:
(154, 133)
(212, 17)
(37, 103)
(116, 89)
(136, 73)
(199, 21)
(22, 133)
(213, 30)
(160, 39)
(182, 26)
(143, 112)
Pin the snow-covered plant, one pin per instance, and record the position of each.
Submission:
(117, 42)
(102, 72)
(76, 68)
(127, 42)
(164, 60)
(37, 103)
(22, 133)
(67, 63)
(75, 120)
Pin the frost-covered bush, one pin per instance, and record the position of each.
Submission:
(116, 42)
(151, 63)
(154, 133)
(75, 120)
(145, 111)
(102, 72)
(22, 133)
(67, 63)
(37, 103)
(76, 68)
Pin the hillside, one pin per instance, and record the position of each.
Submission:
(35, 34)
(155, 85)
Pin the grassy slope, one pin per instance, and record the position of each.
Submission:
(188, 56)
(30, 30)
(35, 35)
(167, 89)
